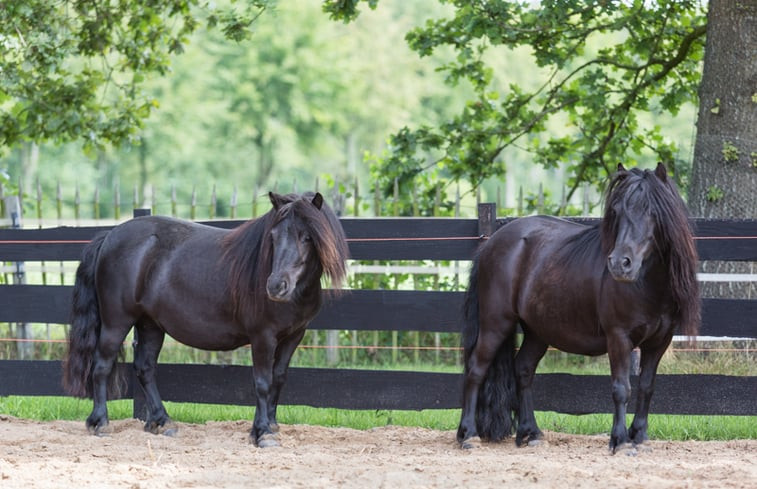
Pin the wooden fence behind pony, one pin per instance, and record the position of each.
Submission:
(388, 310)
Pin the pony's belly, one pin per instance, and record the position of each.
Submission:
(571, 338)
(592, 346)
(213, 334)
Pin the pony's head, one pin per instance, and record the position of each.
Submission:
(306, 240)
(284, 252)
(644, 214)
(630, 223)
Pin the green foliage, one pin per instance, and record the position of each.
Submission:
(730, 151)
(77, 69)
(648, 62)
(716, 108)
(301, 100)
(714, 193)
(345, 10)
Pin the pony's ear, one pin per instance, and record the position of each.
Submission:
(661, 172)
(276, 199)
(621, 167)
(317, 200)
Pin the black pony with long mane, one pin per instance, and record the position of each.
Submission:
(210, 288)
(628, 282)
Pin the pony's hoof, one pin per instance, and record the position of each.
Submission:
(269, 440)
(627, 449)
(644, 447)
(537, 442)
(471, 443)
(169, 429)
(100, 429)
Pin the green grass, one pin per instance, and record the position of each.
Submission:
(662, 427)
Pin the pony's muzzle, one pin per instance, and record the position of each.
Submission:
(278, 289)
(622, 268)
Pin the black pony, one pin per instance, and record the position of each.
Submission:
(210, 288)
(628, 282)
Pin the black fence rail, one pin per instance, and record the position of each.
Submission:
(389, 310)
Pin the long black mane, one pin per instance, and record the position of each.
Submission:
(248, 252)
(673, 236)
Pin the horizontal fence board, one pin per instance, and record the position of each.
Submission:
(716, 239)
(403, 239)
(42, 378)
(742, 245)
(368, 310)
(35, 303)
(62, 243)
(406, 238)
(384, 310)
(729, 317)
(376, 389)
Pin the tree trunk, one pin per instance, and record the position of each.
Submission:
(724, 171)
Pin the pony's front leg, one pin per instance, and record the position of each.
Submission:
(650, 359)
(262, 371)
(619, 353)
(284, 354)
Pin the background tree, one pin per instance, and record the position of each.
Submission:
(593, 106)
(76, 69)
(724, 174)
(303, 80)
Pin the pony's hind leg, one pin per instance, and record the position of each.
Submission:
(149, 341)
(104, 377)
(487, 395)
(530, 353)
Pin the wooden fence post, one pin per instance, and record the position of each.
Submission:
(332, 335)
(24, 347)
(487, 219)
(139, 403)
(116, 202)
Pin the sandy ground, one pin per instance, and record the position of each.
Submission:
(62, 454)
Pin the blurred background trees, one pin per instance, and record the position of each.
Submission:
(418, 98)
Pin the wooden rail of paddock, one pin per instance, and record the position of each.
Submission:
(387, 310)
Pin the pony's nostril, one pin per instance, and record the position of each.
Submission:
(626, 262)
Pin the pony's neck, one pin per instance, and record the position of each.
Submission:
(310, 283)
(655, 274)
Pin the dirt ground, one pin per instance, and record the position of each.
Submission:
(61, 454)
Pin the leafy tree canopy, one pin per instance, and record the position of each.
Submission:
(648, 60)
(76, 68)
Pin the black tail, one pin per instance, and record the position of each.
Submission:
(85, 326)
(497, 405)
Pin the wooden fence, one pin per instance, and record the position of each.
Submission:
(388, 310)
